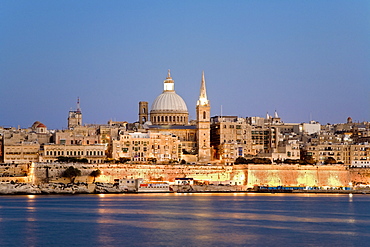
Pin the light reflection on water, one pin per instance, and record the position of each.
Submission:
(185, 219)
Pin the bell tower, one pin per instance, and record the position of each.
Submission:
(143, 112)
(203, 124)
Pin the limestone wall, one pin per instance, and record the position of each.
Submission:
(249, 175)
(298, 175)
(46, 172)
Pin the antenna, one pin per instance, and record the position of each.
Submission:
(78, 105)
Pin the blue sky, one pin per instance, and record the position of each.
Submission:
(305, 59)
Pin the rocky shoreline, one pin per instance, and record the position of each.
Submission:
(57, 188)
(109, 188)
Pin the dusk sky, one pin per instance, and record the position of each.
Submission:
(305, 59)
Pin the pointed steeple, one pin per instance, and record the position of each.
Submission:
(203, 100)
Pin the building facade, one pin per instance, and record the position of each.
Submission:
(147, 147)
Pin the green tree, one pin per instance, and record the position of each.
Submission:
(95, 174)
(241, 160)
(123, 160)
(330, 160)
(64, 159)
(71, 173)
(292, 161)
(309, 160)
(153, 160)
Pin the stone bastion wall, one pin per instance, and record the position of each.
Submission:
(249, 175)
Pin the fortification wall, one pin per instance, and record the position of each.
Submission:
(298, 175)
(52, 172)
(249, 175)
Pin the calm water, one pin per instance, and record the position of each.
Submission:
(185, 220)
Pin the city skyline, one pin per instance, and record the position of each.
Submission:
(307, 60)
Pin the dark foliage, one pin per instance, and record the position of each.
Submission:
(71, 173)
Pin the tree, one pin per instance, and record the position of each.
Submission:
(64, 159)
(123, 160)
(292, 161)
(95, 174)
(153, 160)
(309, 160)
(71, 173)
(330, 160)
(241, 160)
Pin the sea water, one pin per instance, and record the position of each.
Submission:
(240, 219)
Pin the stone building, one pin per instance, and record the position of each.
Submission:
(147, 147)
(23, 145)
(75, 117)
(79, 135)
(231, 138)
(94, 153)
(347, 154)
(22, 152)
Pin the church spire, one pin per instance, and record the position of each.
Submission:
(203, 92)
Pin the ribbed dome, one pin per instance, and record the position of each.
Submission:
(169, 101)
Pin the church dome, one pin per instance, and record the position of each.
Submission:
(169, 102)
(169, 108)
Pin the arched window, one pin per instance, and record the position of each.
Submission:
(144, 110)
